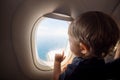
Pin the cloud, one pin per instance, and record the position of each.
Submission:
(51, 54)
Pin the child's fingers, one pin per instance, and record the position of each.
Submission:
(64, 57)
(62, 53)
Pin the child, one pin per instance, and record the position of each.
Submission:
(91, 36)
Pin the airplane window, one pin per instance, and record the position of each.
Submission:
(51, 37)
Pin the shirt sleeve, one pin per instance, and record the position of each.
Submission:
(70, 69)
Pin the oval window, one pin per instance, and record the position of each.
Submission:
(51, 37)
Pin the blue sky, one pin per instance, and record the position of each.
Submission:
(50, 36)
(49, 26)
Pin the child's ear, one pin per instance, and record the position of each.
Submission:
(83, 48)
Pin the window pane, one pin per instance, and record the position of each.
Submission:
(51, 38)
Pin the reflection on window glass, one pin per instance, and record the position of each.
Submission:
(51, 38)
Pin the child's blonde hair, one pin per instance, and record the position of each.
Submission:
(97, 30)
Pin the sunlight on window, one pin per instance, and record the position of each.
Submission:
(51, 38)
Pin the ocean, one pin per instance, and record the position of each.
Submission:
(47, 44)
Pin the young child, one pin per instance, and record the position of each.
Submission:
(91, 36)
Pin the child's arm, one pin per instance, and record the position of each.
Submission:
(57, 65)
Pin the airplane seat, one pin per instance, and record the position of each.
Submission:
(112, 70)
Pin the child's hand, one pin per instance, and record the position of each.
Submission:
(59, 57)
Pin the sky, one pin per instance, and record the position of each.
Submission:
(51, 37)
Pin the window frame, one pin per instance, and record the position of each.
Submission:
(37, 62)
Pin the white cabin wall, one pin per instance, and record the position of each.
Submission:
(25, 13)
(81, 6)
(116, 14)
(9, 68)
